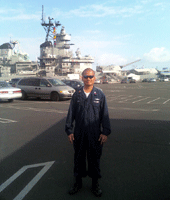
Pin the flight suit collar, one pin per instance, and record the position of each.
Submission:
(92, 93)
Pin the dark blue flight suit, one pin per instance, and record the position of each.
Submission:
(91, 119)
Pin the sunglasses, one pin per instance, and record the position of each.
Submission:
(88, 77)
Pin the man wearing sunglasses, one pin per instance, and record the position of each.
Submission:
(88, 108)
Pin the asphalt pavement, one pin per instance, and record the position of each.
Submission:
(37, 160)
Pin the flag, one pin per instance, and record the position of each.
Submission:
(54, 30)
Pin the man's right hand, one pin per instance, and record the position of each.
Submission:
(71, 138)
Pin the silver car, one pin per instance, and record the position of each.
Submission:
(44, 88)
(7, 92)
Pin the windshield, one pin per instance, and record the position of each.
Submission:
(81, 83)
(56, 82)
(4, 84)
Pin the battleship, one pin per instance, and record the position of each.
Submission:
(13, 60)
(55, 54)
(55, 58)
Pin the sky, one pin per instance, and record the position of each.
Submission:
(114, 32)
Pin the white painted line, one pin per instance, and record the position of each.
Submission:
(123, 97)
(11, 179)
(130, 99)
(166, 101)
(110, 98)
(153, 100)
(31, 184)
(114, 90)
(5, 121)
(113, 98)
(140, 100)
(37, 109)
(135, 109)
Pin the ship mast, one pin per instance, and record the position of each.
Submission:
(48, 27)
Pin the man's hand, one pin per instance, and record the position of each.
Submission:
(102, 138)
(71, 138)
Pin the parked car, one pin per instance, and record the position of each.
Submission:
(132, 81)
(44, 88)
(152, 80)
(73, 83)
(164, 79)
(111, 80)
(97, 81)
(105, 81)
(145, 80)
(124, 81)
(13, 81)
(7, 92)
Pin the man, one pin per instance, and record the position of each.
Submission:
(88, 108)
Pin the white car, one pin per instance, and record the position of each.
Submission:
(97, 81)
(164, 79)
(7, 92)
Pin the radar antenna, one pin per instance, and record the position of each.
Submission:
(14, 43)
(49, 27)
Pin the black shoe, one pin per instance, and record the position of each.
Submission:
(76, 187)
(97, 190)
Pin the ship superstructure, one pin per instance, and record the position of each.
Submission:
(55, 54)
(13, 60)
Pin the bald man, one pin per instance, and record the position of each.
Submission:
(88, 108)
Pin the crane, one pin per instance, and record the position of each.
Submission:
(130, 63)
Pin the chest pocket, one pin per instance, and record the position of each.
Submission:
(96, 102)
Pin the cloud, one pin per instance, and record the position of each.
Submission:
(8, 11)
(158, 55)
(16, 14)
(101, 10)
(20, 17)
(93, 31)
(114, 9)
(109, 58)
(31, 46)
(105, 52)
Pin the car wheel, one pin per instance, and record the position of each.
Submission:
(10, 100)
(55, 96)
(24, 95)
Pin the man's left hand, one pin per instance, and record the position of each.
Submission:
(102, 139)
